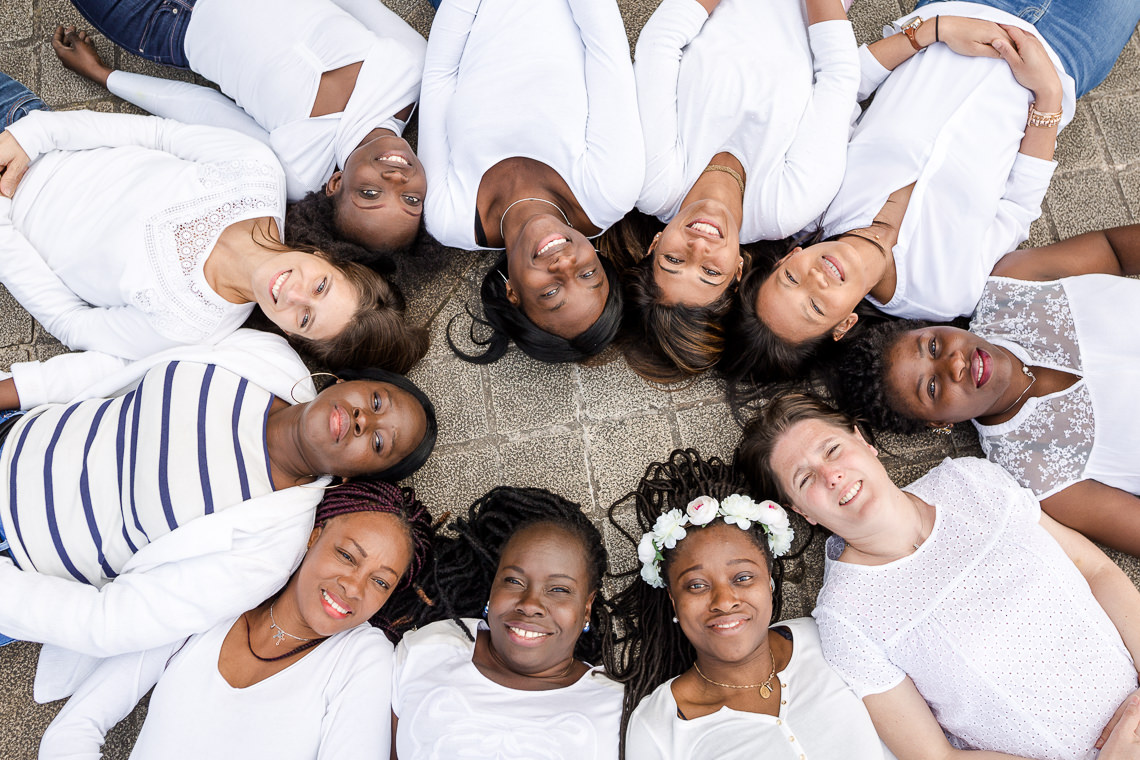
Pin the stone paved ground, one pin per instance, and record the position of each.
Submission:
(586, 432)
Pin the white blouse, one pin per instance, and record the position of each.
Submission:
(752, 79)
(549, 80)
(1087, 431)
(330, 704)
(268, 56)
(953, 125)
(448, 709)
(122, 271)
(820, 718)
(989, 618)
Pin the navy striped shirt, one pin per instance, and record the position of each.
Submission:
(89, 483)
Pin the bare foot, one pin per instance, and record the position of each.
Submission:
(76, 52)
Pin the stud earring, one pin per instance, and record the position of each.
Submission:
(772, 585)
(486, 608)
(674, 618)
(586, 627)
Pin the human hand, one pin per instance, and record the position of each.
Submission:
(13, 163)
(1123, 743)
(1031, 66)
(968, 36)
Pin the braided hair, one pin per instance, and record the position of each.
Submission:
(643, 647)
(466, 563)
(373, 495)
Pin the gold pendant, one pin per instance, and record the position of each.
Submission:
(765, 691)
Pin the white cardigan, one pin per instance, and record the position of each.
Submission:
(183, 582)
(121, 270)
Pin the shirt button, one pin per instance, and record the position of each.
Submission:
(174, 12)
(791, 738)
(783, 701)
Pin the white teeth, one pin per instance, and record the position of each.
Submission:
(276, 291)
(551, 244)
(834, 269)
(981, 367)
(526, 634)
(395, 159)
(705, 228)
(850, 493)
(734, 624)
(333, 604)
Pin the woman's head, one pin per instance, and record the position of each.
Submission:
(378, 196)
(817, 459)
(370, 541)
(510, 322)
(714, 579)
(696, 259)
(370, 422)
(534, 561)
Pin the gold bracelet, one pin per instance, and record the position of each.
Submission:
(1041, 119)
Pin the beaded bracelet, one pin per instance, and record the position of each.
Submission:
(1042, 119)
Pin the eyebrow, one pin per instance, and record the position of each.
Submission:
(663, 268)
(395, 432)
(359, 548)
(921, 380)
(520, 571)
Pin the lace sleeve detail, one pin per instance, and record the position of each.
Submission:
(1034, 315)
(1050, 448)
(180, 238)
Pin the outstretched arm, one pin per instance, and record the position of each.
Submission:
(1103, 513)
(1114, 251)
(908, 727)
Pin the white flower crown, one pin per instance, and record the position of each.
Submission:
(736, 509)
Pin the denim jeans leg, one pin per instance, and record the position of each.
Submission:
(1087, 35)
(16, 100)
(151, 29)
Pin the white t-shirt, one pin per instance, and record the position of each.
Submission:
(951, 124)
(122, 271)
(820, 717)
(1087, 431)
(989, 618)
(332, 703)
(752, 79)
(549, 80)
(448, 709)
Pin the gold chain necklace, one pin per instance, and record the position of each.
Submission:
(765, 686)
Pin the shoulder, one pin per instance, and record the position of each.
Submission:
(959, 475)
(601, 685)
(443, 633)
(650, 723)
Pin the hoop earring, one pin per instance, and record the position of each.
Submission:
(310, 376)
(772, 585)
(329, 487)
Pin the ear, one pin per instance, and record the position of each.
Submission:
(739, 269)
(512, 295)
(314, 535)
(653, 244)
(333, 185)
(859, 435)
(843, 327)
(800, 512)
(590, 603)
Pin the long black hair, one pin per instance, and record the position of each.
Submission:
(508, 322)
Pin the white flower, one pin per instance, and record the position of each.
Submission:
(773, 515)
(702, 510)
(651, 575)
(781, 541)
(739, 510)
(670, 528)
(646, 551)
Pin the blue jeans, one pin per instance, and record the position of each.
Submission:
(16, 101)
(151, 29)
(1087, 35)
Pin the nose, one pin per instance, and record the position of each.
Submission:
(530, 602)
(832, 475)
(363, 420)
(820, 276)
(353, 584)
(299, 296)
(724, 598)
(395, 175)
(955, 366)
(563, 260)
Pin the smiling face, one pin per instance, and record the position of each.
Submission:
(832, 476)
(540, 600)
(943, 374)
(813, 291)
(353, 564)
(697, 256)
(555, 276)
(359, 427)
(304, 295)
(380, 194)
(719, 583)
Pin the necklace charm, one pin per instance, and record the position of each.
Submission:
(281, 633)
(278, 637)
(765, 686)
(765, 690)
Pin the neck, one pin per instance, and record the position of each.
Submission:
(876, 260)
(229, 267)
(518, 212)
(282, 431)
(719, 186)
(752, 670)
(906, 524)
(1013, 397)
(378, 132)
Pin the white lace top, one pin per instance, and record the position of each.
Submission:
(448, 709)
(989, 617)
(120, 270)
(1087, 431)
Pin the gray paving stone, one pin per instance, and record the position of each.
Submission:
(1078, 145)
(16, 20)
(710, 429)
(1124, 75)
(555, 462)
(611, 390)
(620, 450)
(1118, 119)
(22, 65)
(16, 326)
(456, 388)
(1085, 201)
(1130, 183)
(706, 387)
(61, 87)
(453, 479)
(527, 395)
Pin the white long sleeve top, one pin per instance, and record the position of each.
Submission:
(549, 80)
(268, 56)
(121, 271)
(329, 704)
(182, 582)
(953, 125)
(752, 79)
